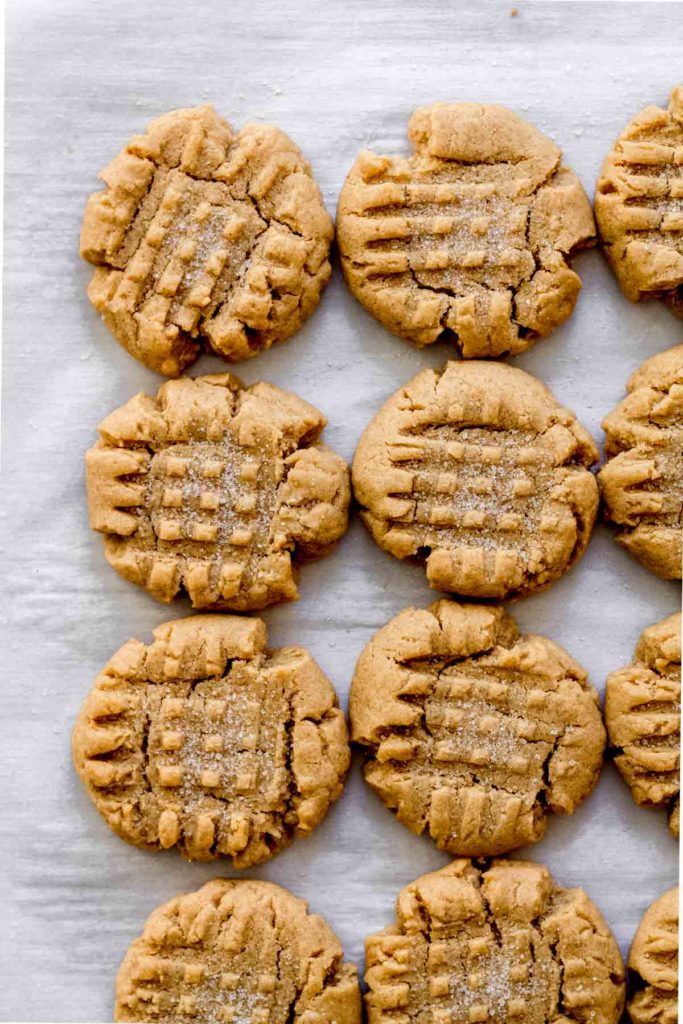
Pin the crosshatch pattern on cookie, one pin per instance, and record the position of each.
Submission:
(241, 952)
(470, 237)
(639, 204)
(479, 472)
(473, 732)
(642, 480)
(212, 488)
(207, 741)
(205, 237)
(643, 716)
(498, 943)
(653, 959)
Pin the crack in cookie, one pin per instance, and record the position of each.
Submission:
(202, 237)
(470, 237)
(214, 488)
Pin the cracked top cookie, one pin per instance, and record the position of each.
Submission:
(213, 487)
(468, 239)
(243, 952)
(642, 480)
(653, 963)
(473, 732)
(204, 237)
(208, 741)
(497, 943)
(477, 471)
(643, 718)
(639, 205)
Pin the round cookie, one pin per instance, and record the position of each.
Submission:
(497, 943)
(474, 733)
(643, 718)
(642, 479)
(214, 487)
(208, 741)
(205, 238)
(477, 471)
(469, 238)
(639, 205)
(237, 951)
(653, 963)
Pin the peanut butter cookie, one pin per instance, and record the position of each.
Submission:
(653, 963)
(496, 943)
(468, 239)
(204, 237)
(242, 952)
(642, 480)
(207, 741)
(639, 205)
(473, 732)
(213, 487)
(479, 472)
(643, 718)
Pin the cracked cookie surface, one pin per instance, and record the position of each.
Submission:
(642, 479)
(653, 961)
(239, 952)
(477, 471)
(205, 238)
(214, 487)
(643, 718)
(470, 237)
(639, 205)
(474, 733)
(499, 943)
(208, 741)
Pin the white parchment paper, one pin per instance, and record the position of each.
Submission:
(82, 77)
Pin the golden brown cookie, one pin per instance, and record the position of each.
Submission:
(477, 471)
(241, 952)
(474, 733)
(642, 480)
(643, 718)
(499, 943)
(208, 741)
(204, 237)
(468, 239)
(214, 487)
(639, 205)
(653, 963)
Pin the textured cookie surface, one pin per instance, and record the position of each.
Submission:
(470, 237)
(642, 480)
(474, 732)
(241, 953)
(653, 959)
(478, 471)
(643, 717)
(212, 487)
(205, 237)
(501, 944)
(639, 205)
(207, 740)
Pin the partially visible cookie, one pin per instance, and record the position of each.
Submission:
(653, 963)
(496, 943)
(469, 238)
(205, 237)
(642, 480)
(242, 952)
(478, 472)
(639, 205)
(474, 733)
(643, 718)
(208, 741)
(214, 488)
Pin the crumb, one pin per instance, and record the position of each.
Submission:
(514, 12)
